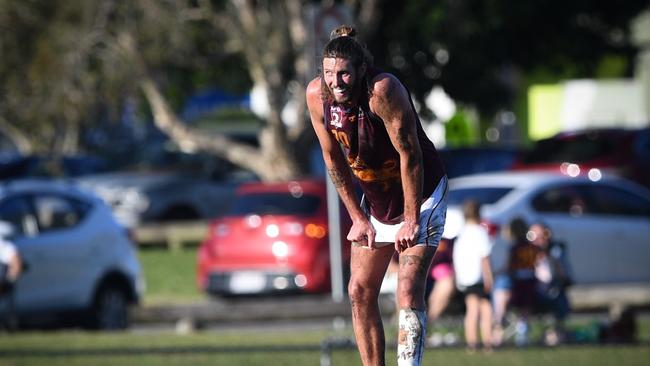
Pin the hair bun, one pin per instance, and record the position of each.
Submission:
(343, 30)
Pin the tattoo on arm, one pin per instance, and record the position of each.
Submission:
(403, 139)
(337, 178)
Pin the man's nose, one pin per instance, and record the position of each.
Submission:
(335, 81)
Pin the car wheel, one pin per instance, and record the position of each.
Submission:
(110, 309)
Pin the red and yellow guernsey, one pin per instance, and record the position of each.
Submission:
(373, 159)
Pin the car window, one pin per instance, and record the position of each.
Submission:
(481, 195)
(616, 201)
(568, 199)
(56, 212)
(16, 211)
(276, 204)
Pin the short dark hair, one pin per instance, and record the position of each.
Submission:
(518, 229)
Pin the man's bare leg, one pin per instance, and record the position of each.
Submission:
(367, 269)
(414, 265)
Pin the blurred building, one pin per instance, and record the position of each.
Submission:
(580, 104)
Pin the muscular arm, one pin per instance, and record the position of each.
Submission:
(337, 167)
(391, 102)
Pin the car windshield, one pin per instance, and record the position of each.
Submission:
(275, 204)
(481, 195)
(578, 150)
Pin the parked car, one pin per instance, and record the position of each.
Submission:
(168, 185)
(41, 166)
(623, 152)
(605, 222)
(79, 262)
(273, 240)
(479, 159)
(143, 197)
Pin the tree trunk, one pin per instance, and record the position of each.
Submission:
(17, 138)
(270, 162)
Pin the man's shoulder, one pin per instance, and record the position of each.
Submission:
(384, 84)
(313, 88)
(314, 96)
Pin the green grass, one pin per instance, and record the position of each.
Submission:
(268, 348)
(170, 278)
(170, 275)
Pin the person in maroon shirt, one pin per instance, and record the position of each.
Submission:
(369, 131)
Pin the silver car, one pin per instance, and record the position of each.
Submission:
(142, 197)
(604, 221)
(79, 261)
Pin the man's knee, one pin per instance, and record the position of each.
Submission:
(360, 293)
(410, 293)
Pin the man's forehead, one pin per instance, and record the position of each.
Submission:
(336, 62)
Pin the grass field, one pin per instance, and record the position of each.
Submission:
(269, 349)
(170, 275)
(170, 278)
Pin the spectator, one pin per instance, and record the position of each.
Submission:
(10, 269)
(10, 263)
(521, 267)
(514, 232)
(471, 257)
(553, 276)
(444, 287)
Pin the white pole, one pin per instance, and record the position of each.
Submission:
(336, 258)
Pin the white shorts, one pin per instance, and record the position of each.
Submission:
(433, 213)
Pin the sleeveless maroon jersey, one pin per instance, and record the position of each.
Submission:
(373, 159)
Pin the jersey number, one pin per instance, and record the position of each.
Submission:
(341, 137)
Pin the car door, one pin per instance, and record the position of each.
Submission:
(56, 255)
(17, 211)
(598, 242)
(626, 216)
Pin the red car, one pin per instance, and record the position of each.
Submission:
(273, 240)
(623, 152)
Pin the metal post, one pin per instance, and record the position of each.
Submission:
(336, 258)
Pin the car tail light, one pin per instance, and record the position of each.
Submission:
(492, 228)
(315, 231)
(272, 231)
(292, 229)
(280, 249)
(570, 169)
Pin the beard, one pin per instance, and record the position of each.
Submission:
(350, 95)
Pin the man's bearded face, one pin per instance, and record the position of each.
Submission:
(342, 79)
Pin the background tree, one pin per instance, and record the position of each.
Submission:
(68, 65)
(486, 53)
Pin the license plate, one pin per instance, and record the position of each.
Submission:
(247, 282)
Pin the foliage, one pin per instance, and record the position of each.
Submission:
(479, 51)
(70, 66)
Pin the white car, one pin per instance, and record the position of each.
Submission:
(604, 221)
(79, 261)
